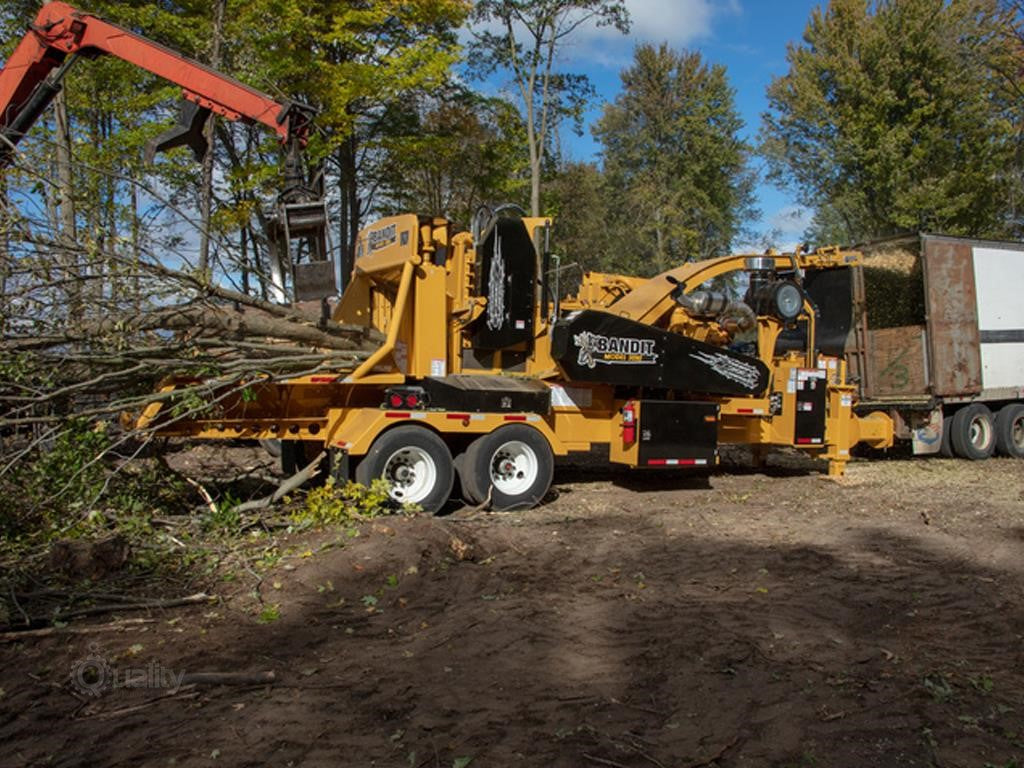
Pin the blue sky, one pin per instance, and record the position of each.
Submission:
(749, 37)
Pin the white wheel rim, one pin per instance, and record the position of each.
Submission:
(411, 473)
(981, 432)
(1017, 431)
(514, 468)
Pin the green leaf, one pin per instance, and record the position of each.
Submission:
(269, 614)
(896, 117)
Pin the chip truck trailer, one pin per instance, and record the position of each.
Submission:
(937, 341)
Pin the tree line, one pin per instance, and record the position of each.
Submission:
(894, 115)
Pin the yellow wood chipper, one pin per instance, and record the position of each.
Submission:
(485, 374)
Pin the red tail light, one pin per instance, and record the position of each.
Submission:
(395, 401)
(411, 401)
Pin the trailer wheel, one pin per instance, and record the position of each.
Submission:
(415, 462)
(1010, 431)
(973, 432)
(512, 464)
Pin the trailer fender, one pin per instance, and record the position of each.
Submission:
(354, 430)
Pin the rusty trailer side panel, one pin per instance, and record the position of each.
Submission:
(938, 319)
(954, 351)
(897, 362)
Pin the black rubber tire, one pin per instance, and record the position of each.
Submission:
(973, 433)
(481, 454)
(460, 474)
(1010, 431)
(945, 444)
(374, 464)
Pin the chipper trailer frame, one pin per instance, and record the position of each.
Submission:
(486, 374)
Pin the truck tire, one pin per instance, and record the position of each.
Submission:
(513, 465)
(945, 444)
(415, 462)
(973, 432)
(459, 462)
(1010, 431)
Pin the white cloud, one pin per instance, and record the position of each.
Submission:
(680, 23)
(675, 21)
(783, 230)
(791, 219)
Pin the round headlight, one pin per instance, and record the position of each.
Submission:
(788, 300)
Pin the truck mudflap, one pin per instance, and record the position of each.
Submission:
(602, 347)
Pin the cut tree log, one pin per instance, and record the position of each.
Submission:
(289, 485)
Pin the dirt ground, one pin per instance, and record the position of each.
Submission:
(772, 618)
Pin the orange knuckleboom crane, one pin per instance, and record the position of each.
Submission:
(32, 77)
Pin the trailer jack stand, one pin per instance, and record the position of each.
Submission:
(836, 467)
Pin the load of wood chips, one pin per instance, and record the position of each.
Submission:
(894, 285)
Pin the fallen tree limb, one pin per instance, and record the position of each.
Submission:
(289, 485)
(142, 605)
(114, 626)
(96, 610)
(188, 692)
(205, 494)
(290, 314)
(197, 319)
(228, 678)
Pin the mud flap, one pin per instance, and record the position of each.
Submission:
(926, 432)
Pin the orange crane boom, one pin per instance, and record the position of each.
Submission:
(31, 78)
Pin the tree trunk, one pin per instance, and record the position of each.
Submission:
(350, 214)
(534, 145)
(206, 192)
(243, 248)
(535, 187)
(222, 323)
(65, 185)
(5, 253)
(136, 248)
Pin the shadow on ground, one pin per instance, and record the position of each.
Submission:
(720, 632)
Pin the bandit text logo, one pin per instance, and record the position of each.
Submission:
(613, 350)
(378, 238)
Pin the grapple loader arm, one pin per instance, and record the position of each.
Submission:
(31, 78)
